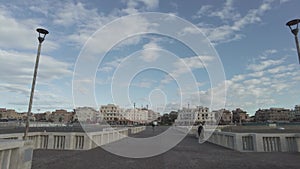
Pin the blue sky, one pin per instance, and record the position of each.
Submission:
(256, 49)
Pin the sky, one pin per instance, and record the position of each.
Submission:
(236, 54)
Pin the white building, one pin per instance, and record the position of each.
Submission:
(152, 115)
(113, 114)
(142, 116)
(136, 115)
(191, 116)
(88, 114)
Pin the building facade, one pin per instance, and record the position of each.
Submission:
(137, 115)
(239, 116)
(60, 116)
(43, 116)
(223, 116)
(87, 115)
(112, 114)
(296, 113)
(273, 115)
(194, 116)
(11, 114)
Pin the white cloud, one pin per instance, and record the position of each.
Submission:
(111, 35)
(264, 86)
(150, 52)
(133, 5)
(44, 100)
(189, 30)
(15, 34)
(265, 64)
(277, 69)
(203, 11)
(80, 16)
(257, 74)
(14, 88)
(238, 78)
(275, 78)
(20, 34)
(110, 66)
(16, 69)
(16, 73)
(231, 22)
(85, 21)
(186, 65)
(251, 82)
(227, 13)
(144, 83)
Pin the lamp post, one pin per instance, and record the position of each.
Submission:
(293, 25)
(41, 38)
(134, 119)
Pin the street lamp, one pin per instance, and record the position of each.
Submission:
(41, 38)
(134, 119)
(293, 25)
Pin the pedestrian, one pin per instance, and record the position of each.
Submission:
(200, 128)
(153, 125)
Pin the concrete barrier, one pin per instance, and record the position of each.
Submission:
(73, 140)
(256, 142)
(15, 154)
(134, 130)
(194, 129)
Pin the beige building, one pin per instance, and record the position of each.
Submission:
(273, 115)
(112, 114)
(223, 116)
(87, 115)
(153, 116)
(10, 114)
(239, 116)
(43, 116)
(61, 116)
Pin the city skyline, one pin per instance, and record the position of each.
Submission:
(255, 47)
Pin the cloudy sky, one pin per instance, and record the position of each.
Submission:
(246, 40)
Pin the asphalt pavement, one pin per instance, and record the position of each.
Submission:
(188, 154)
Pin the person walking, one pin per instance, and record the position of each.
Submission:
(153, 125)
(200, 132)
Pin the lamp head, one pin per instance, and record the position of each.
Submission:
(42, 34)
(293, 25)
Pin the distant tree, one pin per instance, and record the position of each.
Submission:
(173, 116)
(165, 119)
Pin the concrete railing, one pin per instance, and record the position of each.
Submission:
(134, 130)
(185, 129)
(256, 142)
(73, 140)
(15, 154)
(194, 129)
